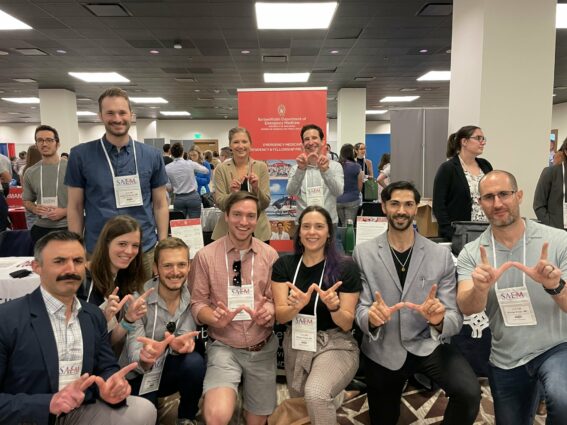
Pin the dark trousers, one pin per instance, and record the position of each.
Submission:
(184, 373)
(445, 366)
(37, 232)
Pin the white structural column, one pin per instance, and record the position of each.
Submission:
(351, 117)
(502, 66)
(58, 108)
(146, 128)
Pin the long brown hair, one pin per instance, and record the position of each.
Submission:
(454, 141)
(130, 279)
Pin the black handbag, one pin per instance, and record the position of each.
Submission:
(208, 200)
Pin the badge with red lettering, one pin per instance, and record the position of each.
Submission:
(127, 191)
(304, 333)
(516, 306)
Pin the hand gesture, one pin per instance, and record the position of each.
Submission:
(183, 343)
(113, 304)
(253, 179)
(484, 275)
(301, 161)
(432, 309)
(71, 396)
(323, 163)
(152, 350)
(379, 313)
(235, 184)
(330, 296)
(262, 316)
(116, 388)
(543, 272)
(297, 298)
(56, 214)
(223, 315)
(313, 159)
(138, 308)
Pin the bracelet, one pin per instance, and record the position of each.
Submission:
(335, 310)
(127, 325)
(127, 321)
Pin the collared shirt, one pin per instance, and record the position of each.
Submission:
(513, 346)
(68, 335)
(88, 169)
(145, 326)
(332, 181)
(181, 174)
(209, 279)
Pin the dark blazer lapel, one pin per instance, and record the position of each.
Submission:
(44, 333)
(386, 256)
(461, 173)
(417, 256)
(88, 340)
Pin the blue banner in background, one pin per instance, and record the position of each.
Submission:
(376, 146)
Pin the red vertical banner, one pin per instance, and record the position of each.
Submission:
(274, 118)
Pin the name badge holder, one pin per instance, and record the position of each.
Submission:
(49, 201)
(515, 303)
(152, 379)
(127, 189)
(304, 326)
(69, 371)
(240, 295)
(314, 194)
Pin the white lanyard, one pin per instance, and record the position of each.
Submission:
(563, 181)
(494, 256)
(320, 281)
(228, 270)
(90, 290)
(108, 158)
(57, 179)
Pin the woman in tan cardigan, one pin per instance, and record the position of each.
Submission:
(242, 173)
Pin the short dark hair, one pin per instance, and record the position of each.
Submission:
(226, 151)
(113, 92)
(22, 154)
(177, 150)
(239, 196)
(400, 185)
(44, 127)
(166, 147)
(312, 127)
(64, 154)
(169, 243)
(511, 178)
(58, 235)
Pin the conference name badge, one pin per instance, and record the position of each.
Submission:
(315, 195)
(241, 295)
(151, 379)
(304, 333)
(127, 191)
(565, 215)
(516, 306)
(69, 371)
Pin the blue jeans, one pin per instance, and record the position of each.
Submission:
(189, 204)
(515, 391)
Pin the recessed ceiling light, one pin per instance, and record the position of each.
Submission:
(83, 99)
(3, 53)
(21, 99)
(61, 51)
(423, 51)
(100, 77)
(148, 100)
(24, 80)
(177, 45)
(364, 78)
(286, 77)
(436, 76)
(448, 51)
(561, 16)
(175, 113)
(554, 94)
(85, 113)
(153, 107)
(185, 79)
(245, 52)
(399, 98)
(299, 16)
(8, 22)
(376, 112)
(334, 52)
(406, 89)
(197, 90)
(154, 52)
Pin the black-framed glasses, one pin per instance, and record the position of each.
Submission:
(478, 138)
(237, 268)
(170, 327)
(48, 140)
(503, 195)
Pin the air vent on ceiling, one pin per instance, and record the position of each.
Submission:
(324, 71)
(32, 52)
(107, 10)
(205, 98)
(363, 79)
(186, 80)
(436, 9)
(408, 89)
(274, 59)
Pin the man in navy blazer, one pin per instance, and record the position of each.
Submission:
(407, 310)
(56, 363)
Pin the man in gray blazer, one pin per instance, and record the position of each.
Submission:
(407, 311)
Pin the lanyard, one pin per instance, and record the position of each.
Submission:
(494, 256)
(228, 270)
(249, 171)
(320, 281)
(108, 158)
(312, 168)
(57, 179)
(563, 179)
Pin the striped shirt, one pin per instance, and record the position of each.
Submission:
(181, 175)
(208, 283)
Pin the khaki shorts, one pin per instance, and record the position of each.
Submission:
(227, 366)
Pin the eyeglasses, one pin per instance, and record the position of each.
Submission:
(48, 141)
(503, 195)
(170, 327)
(236, 268)
(478, 138)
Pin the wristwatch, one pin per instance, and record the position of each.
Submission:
(556, 291)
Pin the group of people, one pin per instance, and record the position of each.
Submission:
(114, 323)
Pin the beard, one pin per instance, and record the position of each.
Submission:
(110, 129)
(400, 226)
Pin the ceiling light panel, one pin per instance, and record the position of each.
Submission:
(175, 113)
(436, 76)
(299, 16)
(8, 22)
(100, 77)
(85, 113)
(376, 112)
(29, 100)
(147, 100)
(288, 77)
(399, 98)
(561, 16)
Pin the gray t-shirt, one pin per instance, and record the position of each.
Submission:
(517, 345)
(33, 192)
(5, 166)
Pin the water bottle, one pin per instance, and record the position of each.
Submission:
(348, 242)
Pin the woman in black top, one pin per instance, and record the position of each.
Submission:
(455, 189)
(316, 291)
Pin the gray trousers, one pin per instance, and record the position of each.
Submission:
(138, 411)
